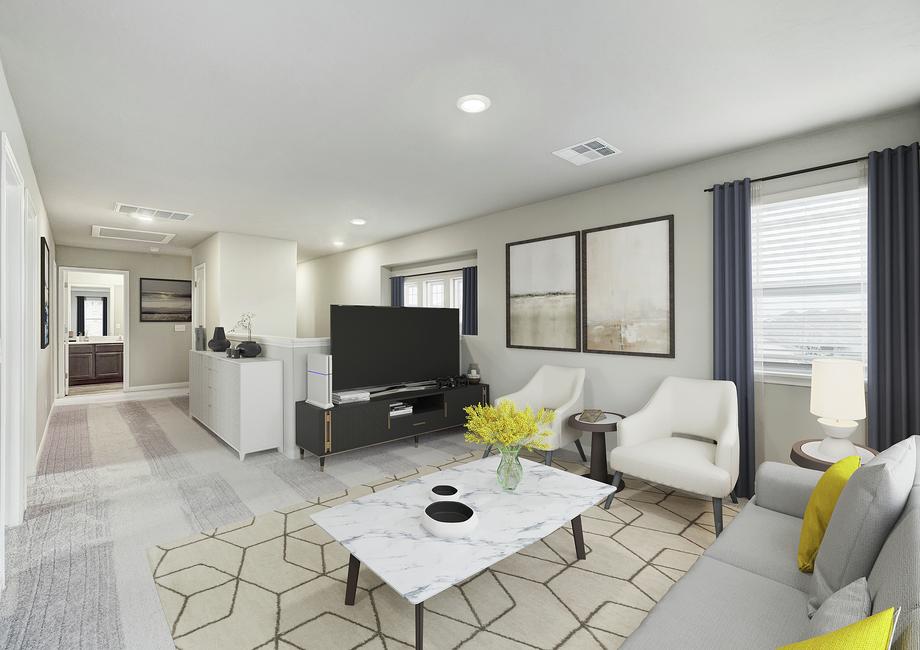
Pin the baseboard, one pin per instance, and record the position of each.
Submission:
(41, 443)
(135, 389)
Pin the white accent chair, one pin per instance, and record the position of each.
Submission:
(706, 464)
(560, 389)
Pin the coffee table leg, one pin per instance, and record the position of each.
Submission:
(354, 565)
(579, 538)
(419, 620)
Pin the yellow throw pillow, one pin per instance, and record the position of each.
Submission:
(821, 507)
(873, 633)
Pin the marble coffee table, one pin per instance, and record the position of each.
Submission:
(384, 530)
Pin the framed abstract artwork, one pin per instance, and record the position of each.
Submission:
(166, 301)
(45, 316)
(542, 285)
(628, 288)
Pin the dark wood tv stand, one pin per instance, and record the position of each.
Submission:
(345, 427)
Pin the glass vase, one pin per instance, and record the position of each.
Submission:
(510, 471)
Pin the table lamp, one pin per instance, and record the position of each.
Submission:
(838, 398)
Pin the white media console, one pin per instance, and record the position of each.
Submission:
(240, 400)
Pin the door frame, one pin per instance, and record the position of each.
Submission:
(32, 304)
(12, 236)
(199, 293)
(61, 331)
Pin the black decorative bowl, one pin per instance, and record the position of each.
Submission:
(450, 519)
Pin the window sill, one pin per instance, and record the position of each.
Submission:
(785, 380)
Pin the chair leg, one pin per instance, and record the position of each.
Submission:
(581, 450)
(548, 457)
(717, 514)
(617, 476)
(488, 451)
(734, 497)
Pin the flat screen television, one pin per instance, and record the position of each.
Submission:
(390, 346)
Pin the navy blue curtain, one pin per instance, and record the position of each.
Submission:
(105, 316)
(894, 295)
(470, 323)
(733, 326)
(81, 330)
(397, 284)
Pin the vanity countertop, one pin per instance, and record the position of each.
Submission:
(95, 343)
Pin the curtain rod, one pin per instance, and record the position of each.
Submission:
(805, 171)
(418, 275)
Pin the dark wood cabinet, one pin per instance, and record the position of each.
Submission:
(95, 363)
(351, 426)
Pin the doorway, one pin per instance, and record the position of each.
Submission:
(94, 331)
(199, 300)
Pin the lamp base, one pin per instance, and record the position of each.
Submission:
(836, 445)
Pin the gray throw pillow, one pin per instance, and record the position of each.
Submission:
(845, 607)
(868, 507)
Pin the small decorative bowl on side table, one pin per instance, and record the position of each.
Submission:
(599, 431)
(801, 455)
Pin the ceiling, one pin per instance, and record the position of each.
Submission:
(288, 118)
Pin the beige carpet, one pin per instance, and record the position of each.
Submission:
(278, 581)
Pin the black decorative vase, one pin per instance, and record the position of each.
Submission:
(220, 342)
(249, 349)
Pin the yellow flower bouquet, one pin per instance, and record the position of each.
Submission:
(510, 429)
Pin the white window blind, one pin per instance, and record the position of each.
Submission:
(809, 266)
(92, 316)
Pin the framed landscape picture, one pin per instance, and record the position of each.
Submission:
(629, 288)
(542, 286)
(166, 301)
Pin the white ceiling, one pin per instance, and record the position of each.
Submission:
(288, 118)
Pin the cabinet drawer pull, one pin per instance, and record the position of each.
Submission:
(418, 424)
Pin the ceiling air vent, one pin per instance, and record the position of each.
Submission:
(586, 152)
(141, 212)
(127, 234)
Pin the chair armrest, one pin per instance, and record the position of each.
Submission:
(784, 488)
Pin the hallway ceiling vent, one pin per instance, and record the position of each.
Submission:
(588, 151)
(127, 234)
(155, 213)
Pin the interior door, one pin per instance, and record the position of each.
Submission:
(199, 299)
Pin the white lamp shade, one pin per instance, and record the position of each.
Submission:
(838, 389)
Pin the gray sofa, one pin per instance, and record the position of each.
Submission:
(746, 590)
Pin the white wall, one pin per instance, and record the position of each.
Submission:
(157, 353)
(9, 124)
(620, 383)
(250, 274)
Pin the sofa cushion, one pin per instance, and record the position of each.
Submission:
(764, 542)
(821, 507)
(682, 463)
(844, 607)
(716, 605)
(868, 507)
(895, 578)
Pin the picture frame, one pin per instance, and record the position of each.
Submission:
(45, 301)
(628, 288)
(165, 301)
(542, 299)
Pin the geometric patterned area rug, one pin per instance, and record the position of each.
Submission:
(278, 581)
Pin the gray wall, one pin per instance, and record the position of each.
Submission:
(614, 382)
(158, 354)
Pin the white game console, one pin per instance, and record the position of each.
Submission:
(319, 380)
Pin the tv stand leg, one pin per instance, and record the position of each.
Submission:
(322, 463)
(416, 441)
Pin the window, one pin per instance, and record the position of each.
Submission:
(434, 293)
(809, 270)
(435, 290)
(92, 316)
(410, 294)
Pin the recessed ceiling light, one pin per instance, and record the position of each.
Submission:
(338, 244)
(358, 222)
(473, 103)
(154, 249)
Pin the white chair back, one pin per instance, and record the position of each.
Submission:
(557, 384)
(700, 407)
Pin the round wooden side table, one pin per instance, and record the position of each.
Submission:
(803, 454)
(599, 431)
